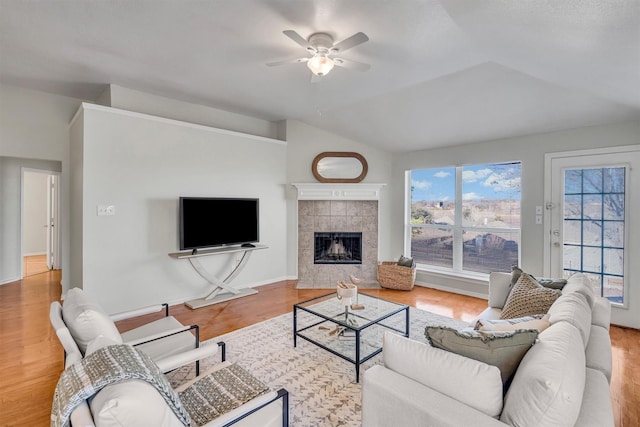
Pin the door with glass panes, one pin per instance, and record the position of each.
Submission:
(591, 224)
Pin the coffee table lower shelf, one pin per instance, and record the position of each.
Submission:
(364, 340)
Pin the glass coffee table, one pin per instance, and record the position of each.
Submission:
(353, 335)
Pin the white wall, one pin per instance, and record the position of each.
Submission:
(528, 149)
(141, 102)
(34, 126)
(34, 232)
(10, 217)
(142, 165)
(304, 143)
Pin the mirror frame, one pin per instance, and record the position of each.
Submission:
(357, 156)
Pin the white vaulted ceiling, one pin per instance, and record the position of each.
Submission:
(442, 72)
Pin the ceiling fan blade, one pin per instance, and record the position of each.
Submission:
(297, 38)
(352, 65)
(348, 43)
(287, 61)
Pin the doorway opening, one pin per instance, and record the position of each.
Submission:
(39, 221)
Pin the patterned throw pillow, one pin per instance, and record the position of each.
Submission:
(528, 298)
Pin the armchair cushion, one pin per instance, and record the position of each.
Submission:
(129, 403)
(86, 319)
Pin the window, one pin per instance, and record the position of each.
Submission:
(594, 227)
(466, 218)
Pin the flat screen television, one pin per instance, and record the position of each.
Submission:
(207, 222)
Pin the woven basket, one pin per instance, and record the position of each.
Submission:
(394, 276)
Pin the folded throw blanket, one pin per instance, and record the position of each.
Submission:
(107, 366)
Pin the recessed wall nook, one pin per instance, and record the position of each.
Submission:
(335, 222)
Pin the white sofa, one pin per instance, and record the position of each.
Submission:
(563, 380)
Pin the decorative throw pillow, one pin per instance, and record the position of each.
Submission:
(501, 349)
(516, 272)
(537, 322)
(406, 262)
(552, 283)
(527, 298)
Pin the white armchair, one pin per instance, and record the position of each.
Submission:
(135, 403)
(79, 320)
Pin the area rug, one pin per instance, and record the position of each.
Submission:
(322, 387)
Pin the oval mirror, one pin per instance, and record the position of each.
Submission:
(338, 166)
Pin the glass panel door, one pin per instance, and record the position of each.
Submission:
(594, 227)
(590, 197)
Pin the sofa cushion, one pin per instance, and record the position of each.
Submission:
(598, 352)
(573, 307)
(445, 372)
(86, 319)
(580, 282)
(501, 349)
(601, 313)
(596, 410)
(499, 288)
(527, 298)
(537, 322)
(547, 388)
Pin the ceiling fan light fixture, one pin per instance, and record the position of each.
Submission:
(320, 64)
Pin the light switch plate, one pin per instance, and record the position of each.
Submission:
(538, 210)
(106, 210)
(539, 219)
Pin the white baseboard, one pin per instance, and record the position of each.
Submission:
(10, 280)
(34, 253)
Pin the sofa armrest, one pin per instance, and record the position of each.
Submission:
(390, 399)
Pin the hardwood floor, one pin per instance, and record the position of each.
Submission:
(34, 264)
(31, 356)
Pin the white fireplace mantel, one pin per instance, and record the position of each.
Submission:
(320, 191)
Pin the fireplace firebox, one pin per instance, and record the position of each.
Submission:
(337, 248)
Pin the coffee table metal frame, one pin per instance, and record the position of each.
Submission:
(308, 305)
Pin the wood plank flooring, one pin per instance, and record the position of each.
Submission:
(31, 357)
(34, 264)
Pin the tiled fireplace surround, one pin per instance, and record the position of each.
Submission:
(337, 216)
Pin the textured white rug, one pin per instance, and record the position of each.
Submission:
(322, 388)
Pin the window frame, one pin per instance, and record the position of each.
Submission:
(457, 229)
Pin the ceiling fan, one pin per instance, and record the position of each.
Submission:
(324, 52)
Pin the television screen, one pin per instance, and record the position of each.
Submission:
(208, 222)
